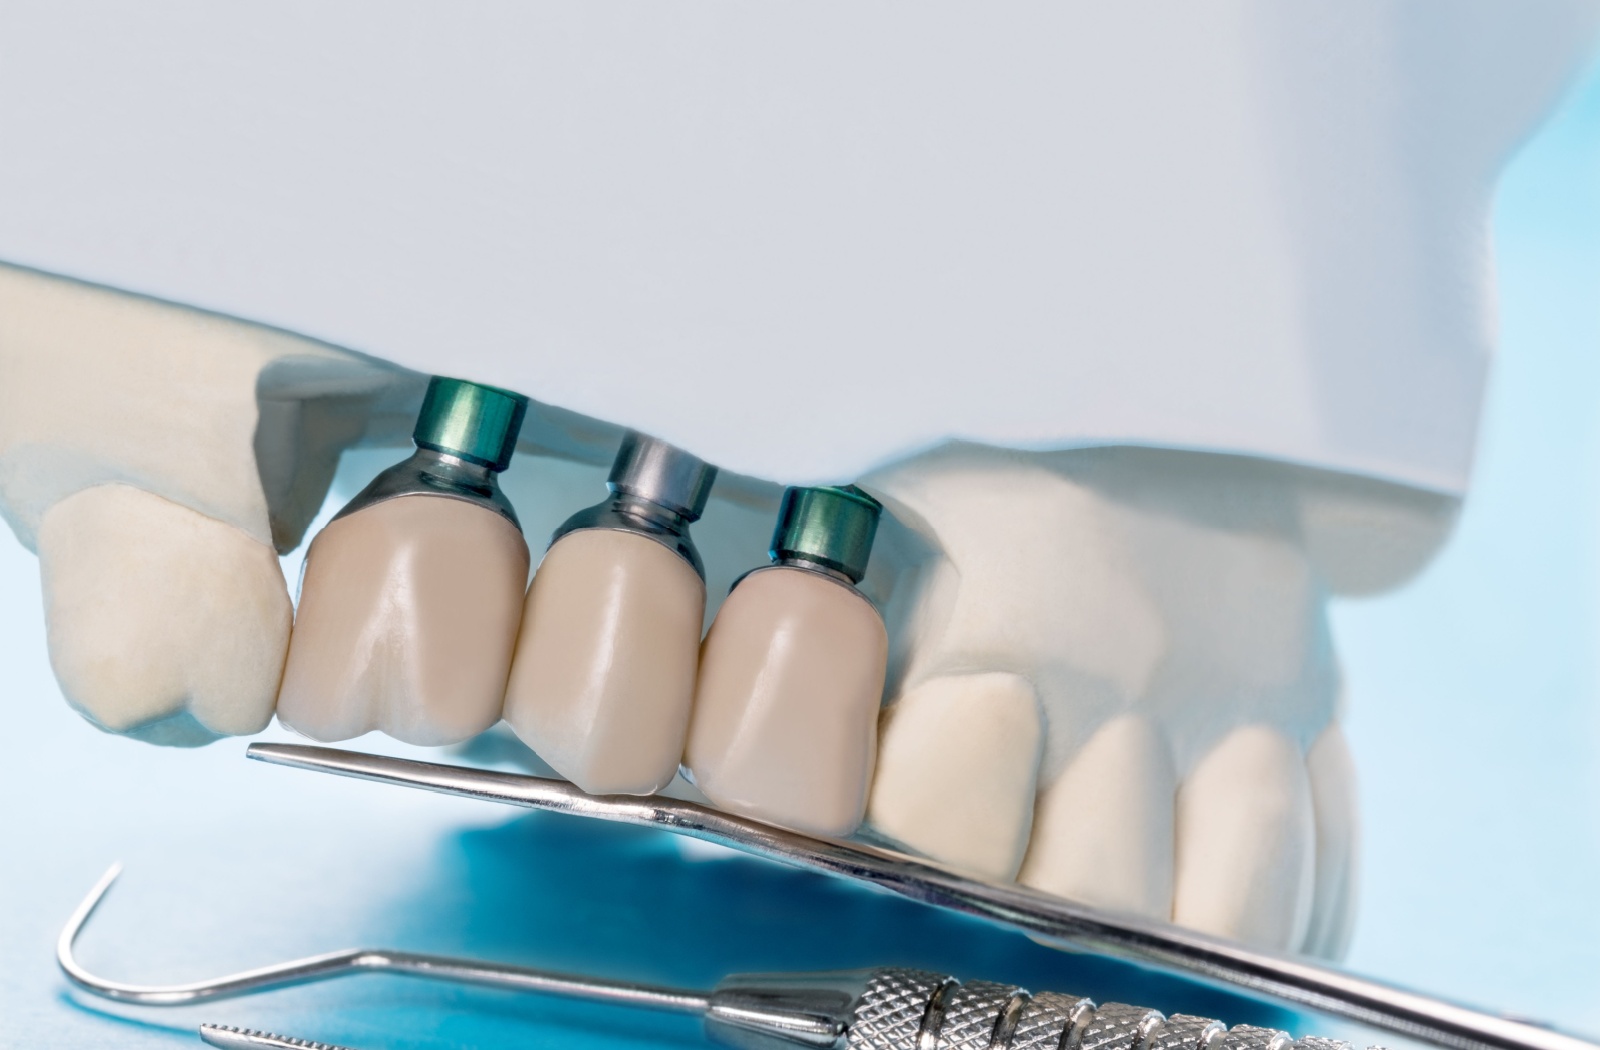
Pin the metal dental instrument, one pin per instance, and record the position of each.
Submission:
(228, 1038)
(1161, 945)
(889, 1008)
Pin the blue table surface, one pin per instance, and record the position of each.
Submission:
(1472, 713)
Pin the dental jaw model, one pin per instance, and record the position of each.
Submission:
(1121, 690)
(791, 674)
(605, 664)
(1115, 691)
(411, 596)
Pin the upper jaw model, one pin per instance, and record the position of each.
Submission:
(1109, 672)
(1103, 645)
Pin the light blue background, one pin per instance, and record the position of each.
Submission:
(1473, 714)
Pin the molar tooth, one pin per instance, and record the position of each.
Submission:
(958, 763)
(408, 614)
(1333, 798)
(1102, 832)
(1246, 842)
(163, 623)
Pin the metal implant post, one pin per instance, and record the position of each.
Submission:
(657, 491)
(465, 435)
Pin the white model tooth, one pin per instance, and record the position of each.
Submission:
(1246, 842)
(1102, 832)
(163, 623)
(958, 760)
(1333, 799)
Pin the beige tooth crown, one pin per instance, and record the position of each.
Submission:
(604, 673)
(408, 614)
(786, 709)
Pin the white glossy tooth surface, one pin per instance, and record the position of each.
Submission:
(1246, 842)
(1103, 831)
(958, 762)
(162, 622)
(1333, 799)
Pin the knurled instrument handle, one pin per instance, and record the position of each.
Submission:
(918, 1010)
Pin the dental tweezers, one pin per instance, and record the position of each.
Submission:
(1163, 946)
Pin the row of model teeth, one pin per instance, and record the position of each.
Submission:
(144, 640)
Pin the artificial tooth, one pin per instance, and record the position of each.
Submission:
(408, 614)
(1246, 842)
(605, 668)
(785, 716)
(1333, 799)
(958, 762)
(411, 596)
(1103, 831)
(603, 678)
(163, 623)
(785, 722)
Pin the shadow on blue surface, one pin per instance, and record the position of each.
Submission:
(565, 893)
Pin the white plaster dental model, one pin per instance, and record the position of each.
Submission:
(1177, 651)
(605, 664)
(154, 456)
(1247, 228)
(791, 674)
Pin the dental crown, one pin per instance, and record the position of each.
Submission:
(831, 526)
(474, 422)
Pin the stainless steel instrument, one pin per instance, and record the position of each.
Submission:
(883, 1009)
(1287, 979)
(226, 1038)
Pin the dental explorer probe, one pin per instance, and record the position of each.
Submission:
(1297, 981)
(888, 1008)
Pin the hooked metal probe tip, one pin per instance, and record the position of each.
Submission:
(330, 965)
